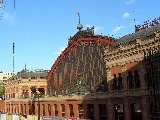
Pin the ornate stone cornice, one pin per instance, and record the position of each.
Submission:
(131, 53)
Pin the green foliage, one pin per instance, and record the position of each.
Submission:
(2, 89)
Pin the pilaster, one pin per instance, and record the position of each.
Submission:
(46, 110)
(145, 106)
(110, 110)
(96, 111)
(36, 109)
(52, 109)
(142, 75)
(27, 109)
(127, 109)
(75, 110)
(59, 109)
(67, 110)
(85, 111)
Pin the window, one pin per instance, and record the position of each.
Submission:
(133, 80)
(136, 79)
(130, 80)
(117, 82)
(114, 84)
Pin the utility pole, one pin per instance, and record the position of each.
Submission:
(13, 56)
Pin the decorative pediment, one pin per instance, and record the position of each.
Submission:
(157, 35)
(121, 47)
(138, 41)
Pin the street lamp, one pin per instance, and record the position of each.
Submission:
(38, 108)
(33, 89)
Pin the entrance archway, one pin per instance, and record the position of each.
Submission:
(136, 112)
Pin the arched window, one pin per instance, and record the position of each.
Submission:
(136, 79)
(114, 84)
(130, 80)
(119, 81)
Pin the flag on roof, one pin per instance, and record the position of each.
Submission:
(78, 14)
(0, 4)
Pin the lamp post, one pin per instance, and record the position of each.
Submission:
(33, 89)
(38, 108)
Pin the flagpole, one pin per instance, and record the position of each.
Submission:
(14, 7)
(79, 17)
(13, 57)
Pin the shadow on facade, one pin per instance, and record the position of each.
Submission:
(152, 64)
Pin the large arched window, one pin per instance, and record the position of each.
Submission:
(117, 82)
(133, 80)
(136, 79)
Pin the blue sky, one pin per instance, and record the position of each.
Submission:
(40, 28)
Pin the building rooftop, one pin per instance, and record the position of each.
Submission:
(142, 34)
(33, 74)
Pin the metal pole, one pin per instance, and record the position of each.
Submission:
(38, 108)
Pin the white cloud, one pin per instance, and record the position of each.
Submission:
(87, 25)
(130, 2)
(61, 49)
(8, 18)
(125, 15)
(118, 28)
(97, 29)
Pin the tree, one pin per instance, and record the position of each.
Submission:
(2, 90)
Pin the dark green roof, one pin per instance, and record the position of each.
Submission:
(143, 34)
(30, 74)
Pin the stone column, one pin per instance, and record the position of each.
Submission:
(6, 107)
(41, 109)
(52, 109)
(67, 110)
(11, 108)
(19, 107)
(145, 108)
(85, 111)
(29, 91)
(46, 110)
(27, 109)
(96, 111)
(19, 91)
(142, 75)
(36, 108)
(110, 110)
(59, 108)
(76, 110)
(127, 115)
(16, 108)
(22, 108)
